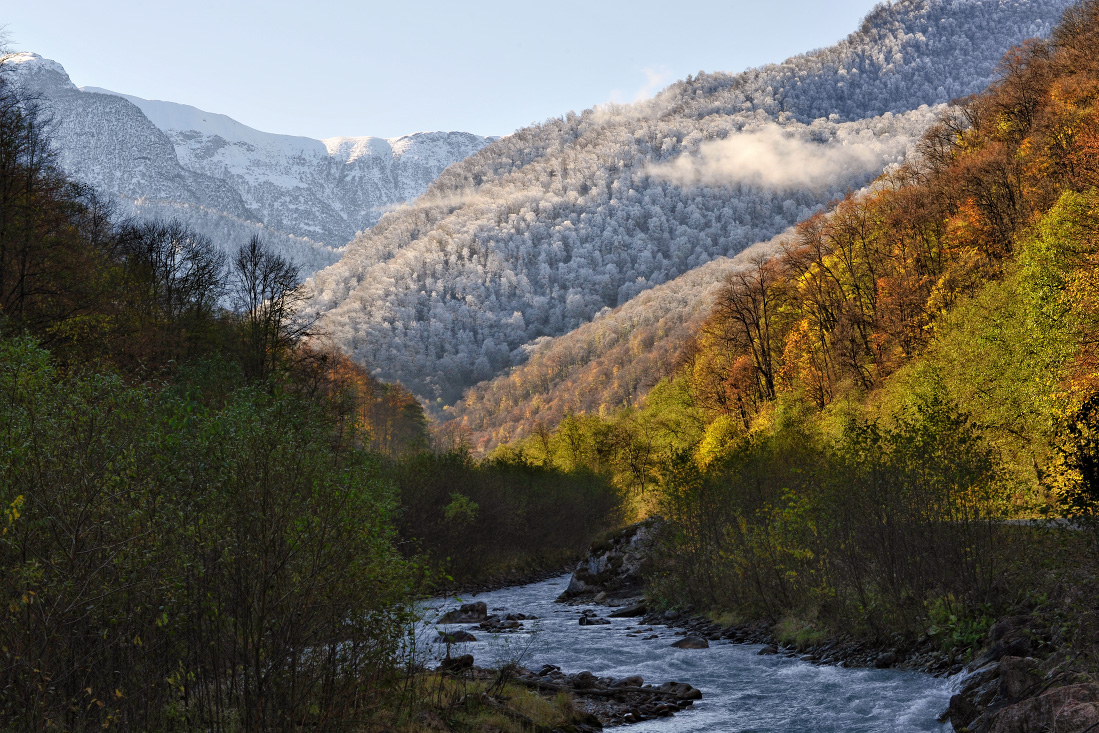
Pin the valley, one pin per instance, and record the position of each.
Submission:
(799, 363)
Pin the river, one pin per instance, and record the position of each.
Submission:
(742, 691)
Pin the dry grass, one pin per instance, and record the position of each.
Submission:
(443, 702)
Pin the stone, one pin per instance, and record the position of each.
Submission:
(495, 625)
(584, 681)
(593, 621)
(681, 690)
(993, 654)
(456, 664)
(468, 613)
(632, 681)
(638, 609)
(768, 650)
(885, 659)
(1018, 675)
(456, 637)
(981, 680)
(692, 642)
(1017, 645)
(616, 565)
(1005, 626)
(1069, 708)
(961, 712)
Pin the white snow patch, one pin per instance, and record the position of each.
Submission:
(25, 63)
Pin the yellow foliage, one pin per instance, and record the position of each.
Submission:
(719, 437)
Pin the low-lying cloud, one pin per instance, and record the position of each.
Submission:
(771, 157)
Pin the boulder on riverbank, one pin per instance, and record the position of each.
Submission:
(616, 565)
(1021, 681)
(614, 701)
(632, 611)
(1072, 708)
(456, 664)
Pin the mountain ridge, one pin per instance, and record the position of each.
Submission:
(538, 232)
(230, 180)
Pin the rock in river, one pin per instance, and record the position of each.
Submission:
(469, 613)
(692, 642)
(593, 621)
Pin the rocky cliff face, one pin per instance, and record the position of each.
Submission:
(616, 566)
(326, 190)
(307, 197)
(1026, 679)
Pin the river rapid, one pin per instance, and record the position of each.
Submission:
(742, 691)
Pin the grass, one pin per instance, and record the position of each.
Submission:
(725, 619)
(799, 630)
(443, 702)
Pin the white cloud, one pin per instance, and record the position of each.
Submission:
(774, 157)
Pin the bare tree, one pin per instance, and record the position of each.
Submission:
(267, 290)
(29, 179)
(181, 273)
(746, 311)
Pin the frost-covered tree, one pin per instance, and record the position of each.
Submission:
(563, 219)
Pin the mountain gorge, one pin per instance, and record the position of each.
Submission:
(306, 197)
(849, 466)
(540, 231)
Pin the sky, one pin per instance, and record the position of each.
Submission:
(326, 69)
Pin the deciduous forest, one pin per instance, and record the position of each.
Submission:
(847, 438)
(209, 522)
(883, 424)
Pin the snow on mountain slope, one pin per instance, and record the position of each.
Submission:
(323, 189)
(108, 143)
(538, 232)
(306, 197)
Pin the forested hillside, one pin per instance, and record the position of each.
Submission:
(599, 367)
(206, 523)
(541, 230)
(857, 416)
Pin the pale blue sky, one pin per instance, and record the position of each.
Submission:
(327, 68)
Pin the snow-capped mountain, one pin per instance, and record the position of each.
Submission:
(326, 190)
(309, 197)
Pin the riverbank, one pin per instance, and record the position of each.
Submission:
(534, 572)
(476, 699)
(1029, 663)
(765, 693)
(843, 650)
(1021, 679)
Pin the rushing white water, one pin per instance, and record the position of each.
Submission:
(742, 691)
